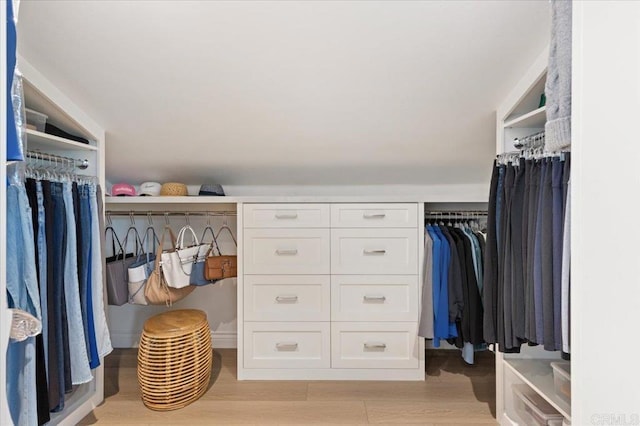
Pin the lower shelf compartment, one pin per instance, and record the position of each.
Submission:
(538, 374)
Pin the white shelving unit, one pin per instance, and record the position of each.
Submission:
(45, 142)
(538, 375)
(43, 96)
(521, 115)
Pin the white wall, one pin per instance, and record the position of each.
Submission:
(606, 199)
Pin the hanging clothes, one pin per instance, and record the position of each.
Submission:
(55, 268)
(525, 297)
(22, 293)
(454, 270)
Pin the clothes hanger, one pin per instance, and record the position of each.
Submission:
(212, 232)
(138, 240)
(150, 231)
(225, 226)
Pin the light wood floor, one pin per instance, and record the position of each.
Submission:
(453, 393)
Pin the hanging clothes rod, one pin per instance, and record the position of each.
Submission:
(458, 212)
(460, 215)
(58, 160)
(165, 214)
(533, 141)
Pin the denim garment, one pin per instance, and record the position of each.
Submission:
(22, 292)
(42, 269)
(80, 371)
(102, 330)
(85, 217)
(83, 239)
(60, 342)
(54, 346)
(41, 369)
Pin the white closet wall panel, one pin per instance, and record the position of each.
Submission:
(604, 265)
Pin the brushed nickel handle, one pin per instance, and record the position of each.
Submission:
(286, 346)
(287, 299)
(374, 215)
(375, 346)
(286, 215)
(374, 252)
(286, 252)
(379, 299)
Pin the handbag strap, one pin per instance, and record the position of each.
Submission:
(214, 241)
(114, 239)
(225, 227)
(150, 241)
(161, 245)
(181, 234)
(138, 241)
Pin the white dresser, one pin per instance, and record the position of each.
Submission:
(330, 291)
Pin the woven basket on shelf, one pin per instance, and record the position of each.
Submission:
(174, 359)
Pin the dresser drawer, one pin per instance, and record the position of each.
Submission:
(286, 251)
(374, 345)
(286, 297)
(286, 345)
(374, 215)
(374, 297)
(286, 215)
(374, 251)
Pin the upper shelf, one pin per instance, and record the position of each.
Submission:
(533, 119)
(45, 142)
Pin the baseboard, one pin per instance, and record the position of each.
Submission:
(219, 339)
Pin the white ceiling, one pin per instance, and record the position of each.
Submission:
(289, 92)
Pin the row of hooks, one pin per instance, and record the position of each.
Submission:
(535, 140)
(150, 225)
(166, 215)
(56, 162)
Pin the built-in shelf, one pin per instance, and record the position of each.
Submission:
(533, 119)
(46, 142)
(538, 374)
(192, 199)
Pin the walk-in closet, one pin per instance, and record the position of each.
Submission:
(310, 212)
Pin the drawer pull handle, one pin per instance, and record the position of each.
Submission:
(286, 252)
(286, 215)
(286, 299)
(374, 252)
(376, 299)
(374, 215)
(287, 346)
(379, 346)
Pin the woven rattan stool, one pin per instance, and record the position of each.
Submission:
(174, 359)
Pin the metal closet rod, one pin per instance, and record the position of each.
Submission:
(171, 213)
(459, 214)
(55, 159)
(533, 141)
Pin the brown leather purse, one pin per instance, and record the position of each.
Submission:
(219, 267)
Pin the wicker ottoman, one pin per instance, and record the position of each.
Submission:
(174, 359)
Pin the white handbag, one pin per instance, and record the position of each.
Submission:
(141, 269)
(177, 264)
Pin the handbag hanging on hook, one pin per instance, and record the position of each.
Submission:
(221, 266)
